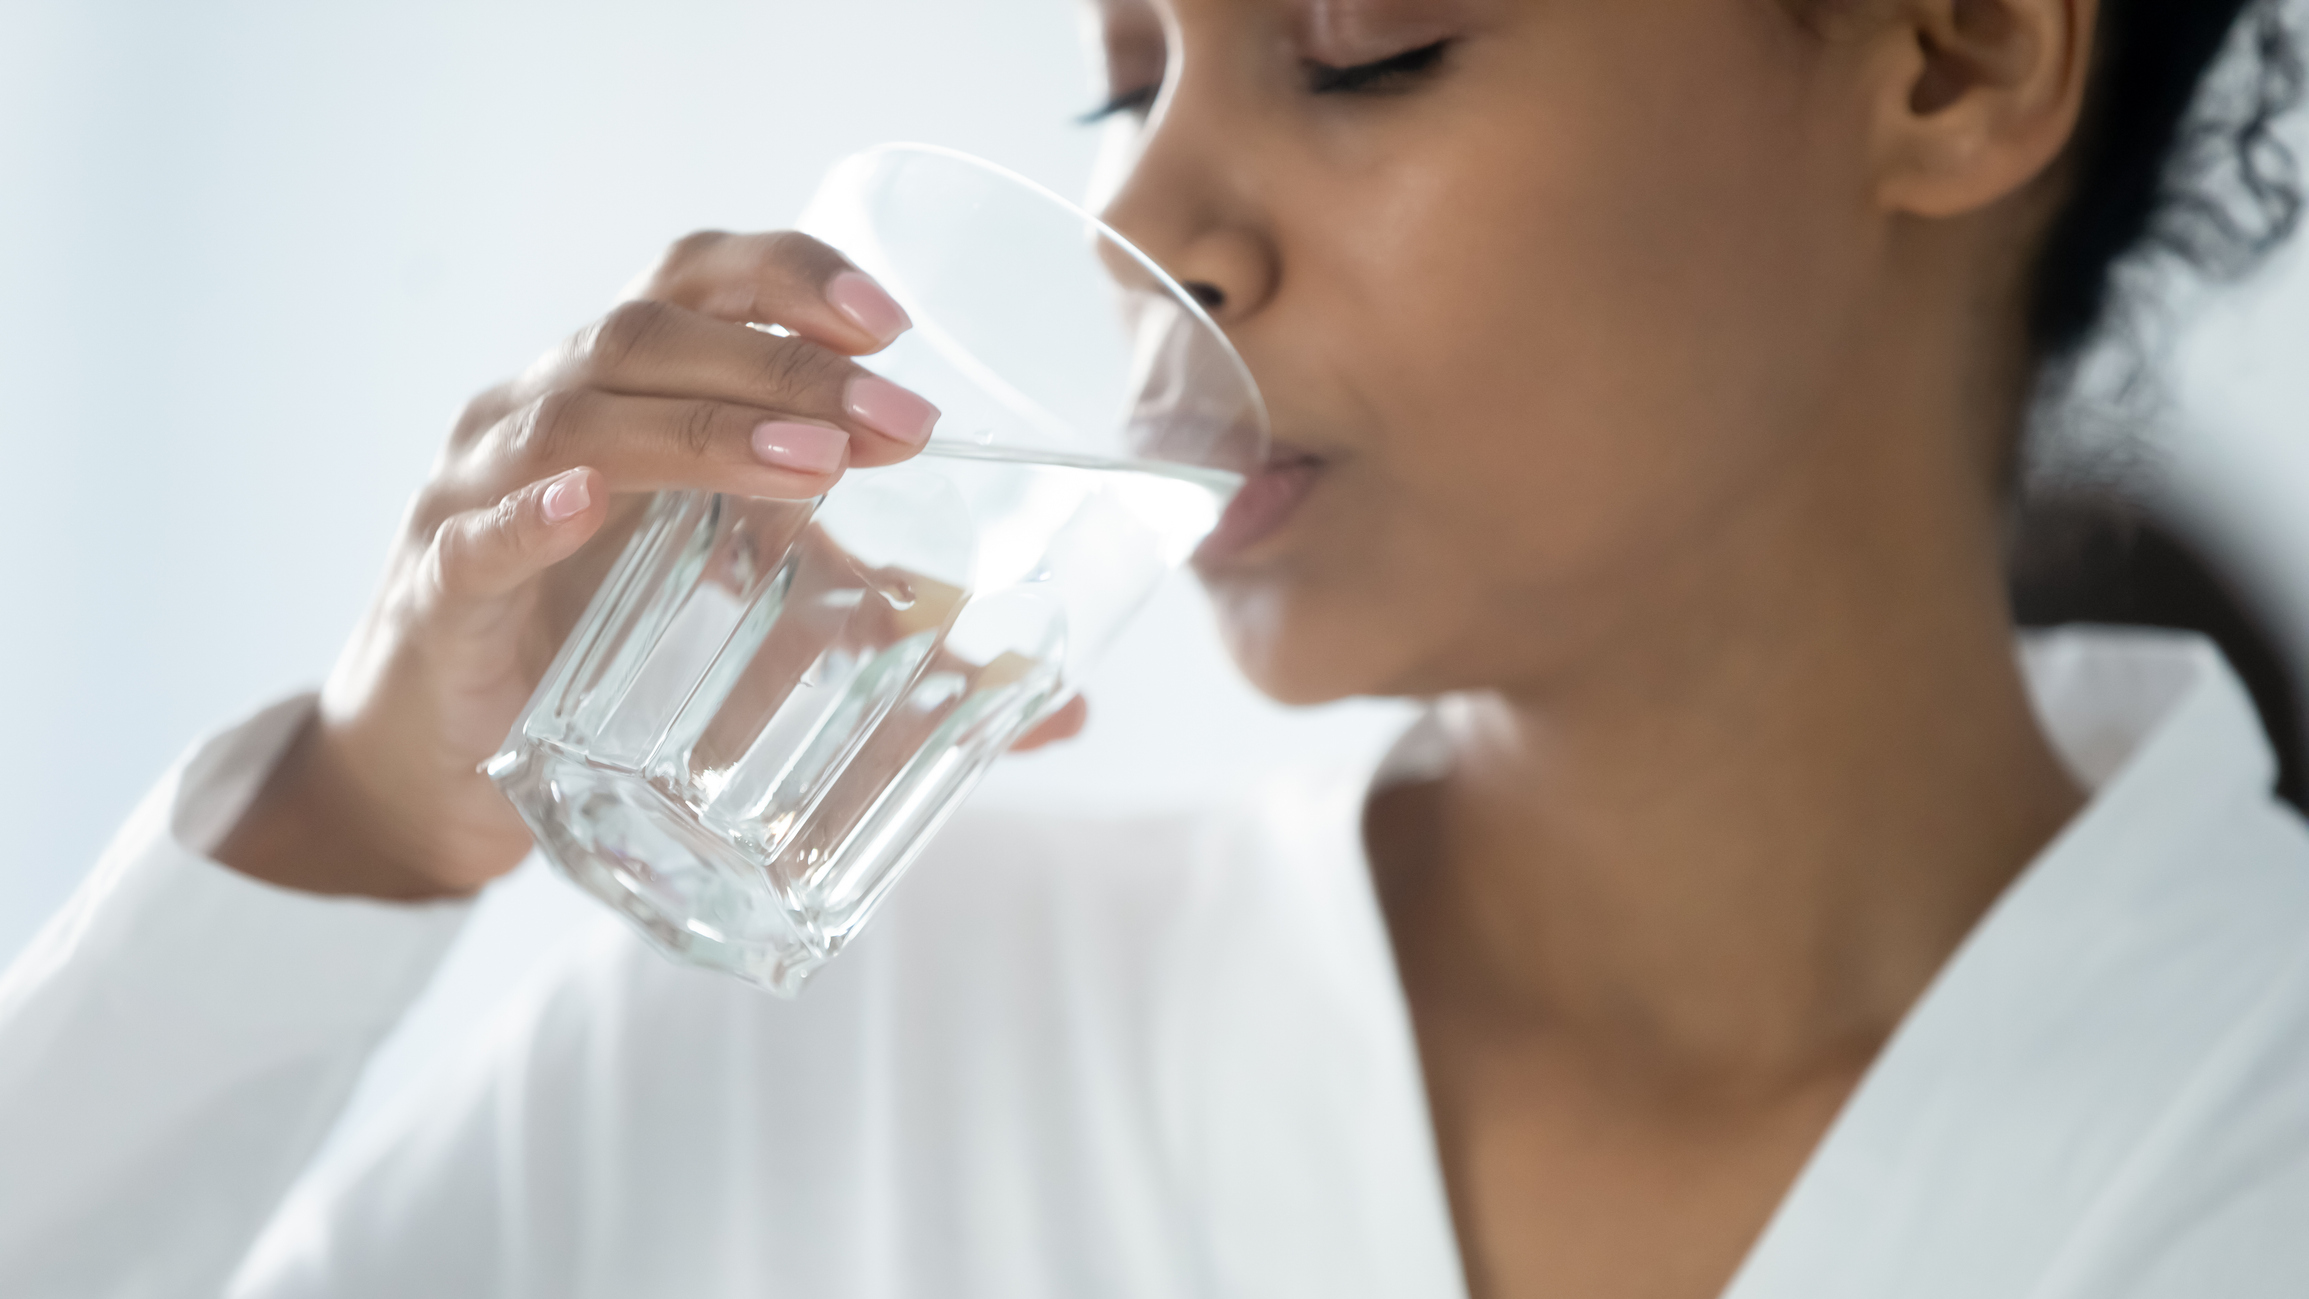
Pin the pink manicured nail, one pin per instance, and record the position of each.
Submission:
(565, 496)
(889, 409)
(804, 448)
(867, 306)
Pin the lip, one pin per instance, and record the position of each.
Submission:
(1265, 504)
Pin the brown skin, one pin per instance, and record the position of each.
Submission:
(381, 795)
(1664, 357)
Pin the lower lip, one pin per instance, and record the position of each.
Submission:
(1265, 503)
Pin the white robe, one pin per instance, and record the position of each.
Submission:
(1165, 1057)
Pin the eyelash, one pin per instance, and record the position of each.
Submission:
(1127, 101)
(1390, 75)
(1382, 76)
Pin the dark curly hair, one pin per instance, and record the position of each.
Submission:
(2177, 158)
(2165, 162)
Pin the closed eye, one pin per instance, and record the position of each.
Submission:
(1135, 102)
(1396, 72)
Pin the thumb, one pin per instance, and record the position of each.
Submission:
(484, 554)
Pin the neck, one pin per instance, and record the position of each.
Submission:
(1740, 838)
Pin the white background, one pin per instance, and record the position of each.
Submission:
(253, 256)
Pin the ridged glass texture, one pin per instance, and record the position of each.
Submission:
(770, 706)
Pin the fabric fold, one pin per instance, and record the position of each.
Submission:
(178, 1039)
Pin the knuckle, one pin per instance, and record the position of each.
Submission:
(616, 338)
(698, 425)
(543, 430)
(692, 246)
(479, 416)
(462, 540)
(501, 522)
(798, 370)
(679, 262)
(428, 508)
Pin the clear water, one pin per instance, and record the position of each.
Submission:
(771, 705)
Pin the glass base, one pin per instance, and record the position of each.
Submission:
(697, 898)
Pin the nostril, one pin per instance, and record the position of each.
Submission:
(1208, 296)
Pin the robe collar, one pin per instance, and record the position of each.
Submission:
(1975, 1148)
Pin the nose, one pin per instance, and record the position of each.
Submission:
(1189, 202)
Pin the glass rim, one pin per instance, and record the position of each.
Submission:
(1169, 284)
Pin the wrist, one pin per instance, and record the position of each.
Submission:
(311, 827)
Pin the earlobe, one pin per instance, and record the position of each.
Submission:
(1977, 98)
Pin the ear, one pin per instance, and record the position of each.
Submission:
(1977, 98)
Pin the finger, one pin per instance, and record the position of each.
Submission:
(647, 348)
(646, 444)
(780, 278)
(483, 554)
(1064, 724)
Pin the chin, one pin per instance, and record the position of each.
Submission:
(1299, 650)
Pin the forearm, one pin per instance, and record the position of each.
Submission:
(172, 1048)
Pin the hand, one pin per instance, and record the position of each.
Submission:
(537, 490)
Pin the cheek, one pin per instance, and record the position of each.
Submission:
(1579, 322)
(1594, 308)
(1625, 290)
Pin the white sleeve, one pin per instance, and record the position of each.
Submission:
(176, 1042)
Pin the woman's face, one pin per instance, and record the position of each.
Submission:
(1543, 303)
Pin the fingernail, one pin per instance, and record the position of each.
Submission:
(867, 305)
(565, 496)
(804, 448)
(889, 409)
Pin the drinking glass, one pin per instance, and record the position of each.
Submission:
(770, 706)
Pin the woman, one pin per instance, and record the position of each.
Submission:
(1648, 377)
